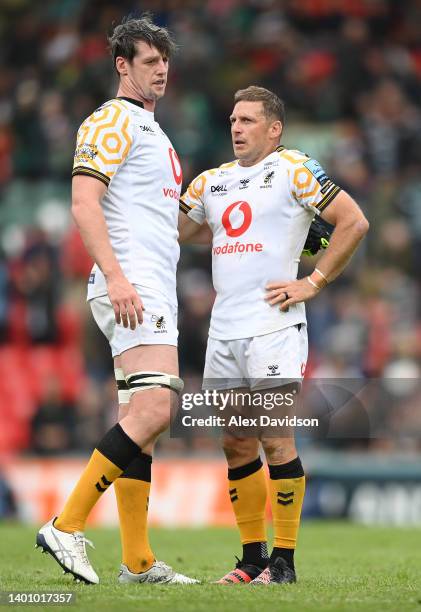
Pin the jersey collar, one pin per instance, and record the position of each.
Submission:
(131, 100)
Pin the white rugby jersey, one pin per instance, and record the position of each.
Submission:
(122, 145)
(260, 217)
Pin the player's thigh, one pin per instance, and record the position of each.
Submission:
(276, 364)
(277, 359)
(151, 347)
(151, 407)
(222, 370)
(159, 325)
(150, 358)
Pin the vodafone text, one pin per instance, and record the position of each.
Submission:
(171, 193)
(238, 247)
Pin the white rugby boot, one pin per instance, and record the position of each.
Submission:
(68, 549)
(159, 573)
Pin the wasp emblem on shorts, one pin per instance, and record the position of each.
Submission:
(159, 322)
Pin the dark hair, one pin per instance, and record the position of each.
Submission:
(125, 36)
(273, 106)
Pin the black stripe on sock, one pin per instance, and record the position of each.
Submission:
(245, 470)
(293, 469)
(118, 447)
(139, 468)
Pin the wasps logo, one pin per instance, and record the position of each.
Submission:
(268, 178)
(159, 322)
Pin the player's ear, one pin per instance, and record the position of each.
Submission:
(121, 65)
(276, 129)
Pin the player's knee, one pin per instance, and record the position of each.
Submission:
(155, 406)
(159, 424)
(239, 450)
(160, 417)
(279, 450)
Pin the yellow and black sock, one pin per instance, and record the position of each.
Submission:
(132, 492)
(110, 458)
(248, 493)
(287, 486)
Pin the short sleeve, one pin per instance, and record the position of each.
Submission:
(103, 142)
(192, 201)
(309, 184)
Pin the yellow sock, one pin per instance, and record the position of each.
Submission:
(132, 492)
(112, 455)
(248, 493)
(287, 486)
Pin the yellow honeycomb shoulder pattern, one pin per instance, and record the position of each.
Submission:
(309, 184)
(103, 142)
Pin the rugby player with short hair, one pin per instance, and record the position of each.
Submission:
(125, 191)
(259, 209)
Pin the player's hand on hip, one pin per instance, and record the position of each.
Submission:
(128, 307)
(290, 292)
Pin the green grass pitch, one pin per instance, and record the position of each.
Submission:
(340, 567)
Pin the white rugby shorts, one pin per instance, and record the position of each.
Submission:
(159, 322)
(262, 362)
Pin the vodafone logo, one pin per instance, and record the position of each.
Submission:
(231, 212)
(171, 193)
(176, 166)
(236, 220)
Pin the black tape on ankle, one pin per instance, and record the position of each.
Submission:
(139, 468)
(118, 447)
(256, 553)
(286, 553)
(293, 469)
(245, 470)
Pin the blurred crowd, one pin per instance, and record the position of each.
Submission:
(350, 75)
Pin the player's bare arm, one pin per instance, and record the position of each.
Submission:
(350, 228)
(190, 232)
(87, 193)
